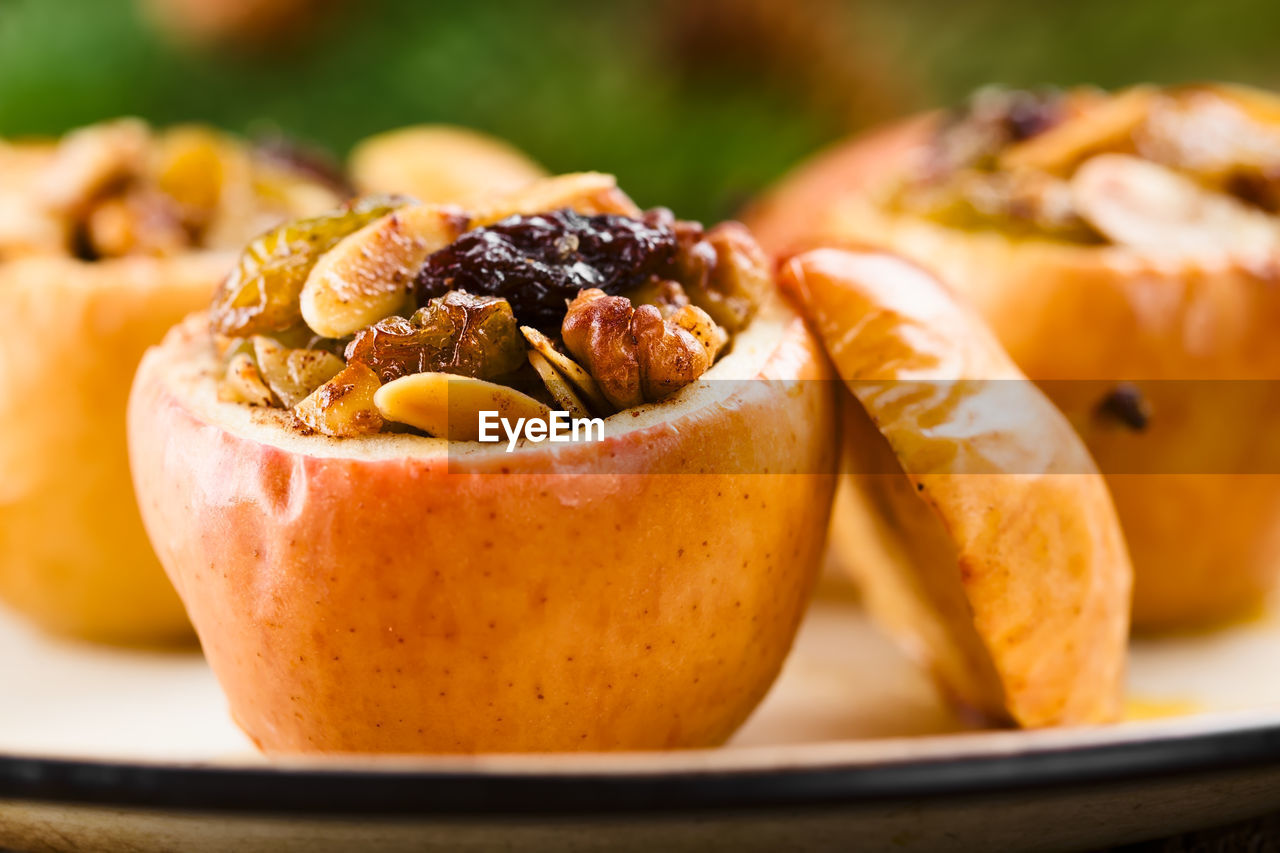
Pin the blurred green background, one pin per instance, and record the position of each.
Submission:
(694, 104)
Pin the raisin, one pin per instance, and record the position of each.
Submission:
(1126, 405)
(992, 119)
(260, 296)
(456, 333)
(1029, 114)
(539, 262)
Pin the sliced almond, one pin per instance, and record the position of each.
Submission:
(243, 383)
(293, 374)
(558, 386)
(344, 406)
(569, 369)
(1106, 124)
(1202, 133)
(368, 275)
(311, 368)
(1139, 204)
(588, 193)
(448, 406)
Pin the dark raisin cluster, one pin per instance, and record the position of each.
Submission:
(539, 262)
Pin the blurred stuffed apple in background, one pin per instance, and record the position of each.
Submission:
(1123, 248)
(110, 236)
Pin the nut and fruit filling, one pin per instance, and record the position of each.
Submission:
(589, 306)
(1190, 171)
(121, 188)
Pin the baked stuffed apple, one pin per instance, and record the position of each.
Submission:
(1124, 249)
(373, 565)
(988, 541)
(107, 238)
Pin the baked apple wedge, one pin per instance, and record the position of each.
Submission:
(990, 545)
(367, 574)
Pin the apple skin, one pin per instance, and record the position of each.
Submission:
(1196, 493)
(74, 557)
(537, 601)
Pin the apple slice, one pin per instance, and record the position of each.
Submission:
(997, 555)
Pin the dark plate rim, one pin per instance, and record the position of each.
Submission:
(329, 792)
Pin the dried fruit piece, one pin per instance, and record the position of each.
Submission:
(568, 368)
(194, 165)
(448, 406)
(369, 274)
(261, 294)
(538, 262)
(587, 193)
(632, 353)
(557, 386)
(1140, 204)
(992, 119)
(344, 406)
(456, 333)
(243, 384)
(292, 374)
(139, 222)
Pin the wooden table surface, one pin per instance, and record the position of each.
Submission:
(1252, 836)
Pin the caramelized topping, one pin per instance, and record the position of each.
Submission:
(1182, 172)
(119, 188)
(338, 283)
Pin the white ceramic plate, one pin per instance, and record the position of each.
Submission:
(112, 749)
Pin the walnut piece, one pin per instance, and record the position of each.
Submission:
(634, 354)
(724, 271)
